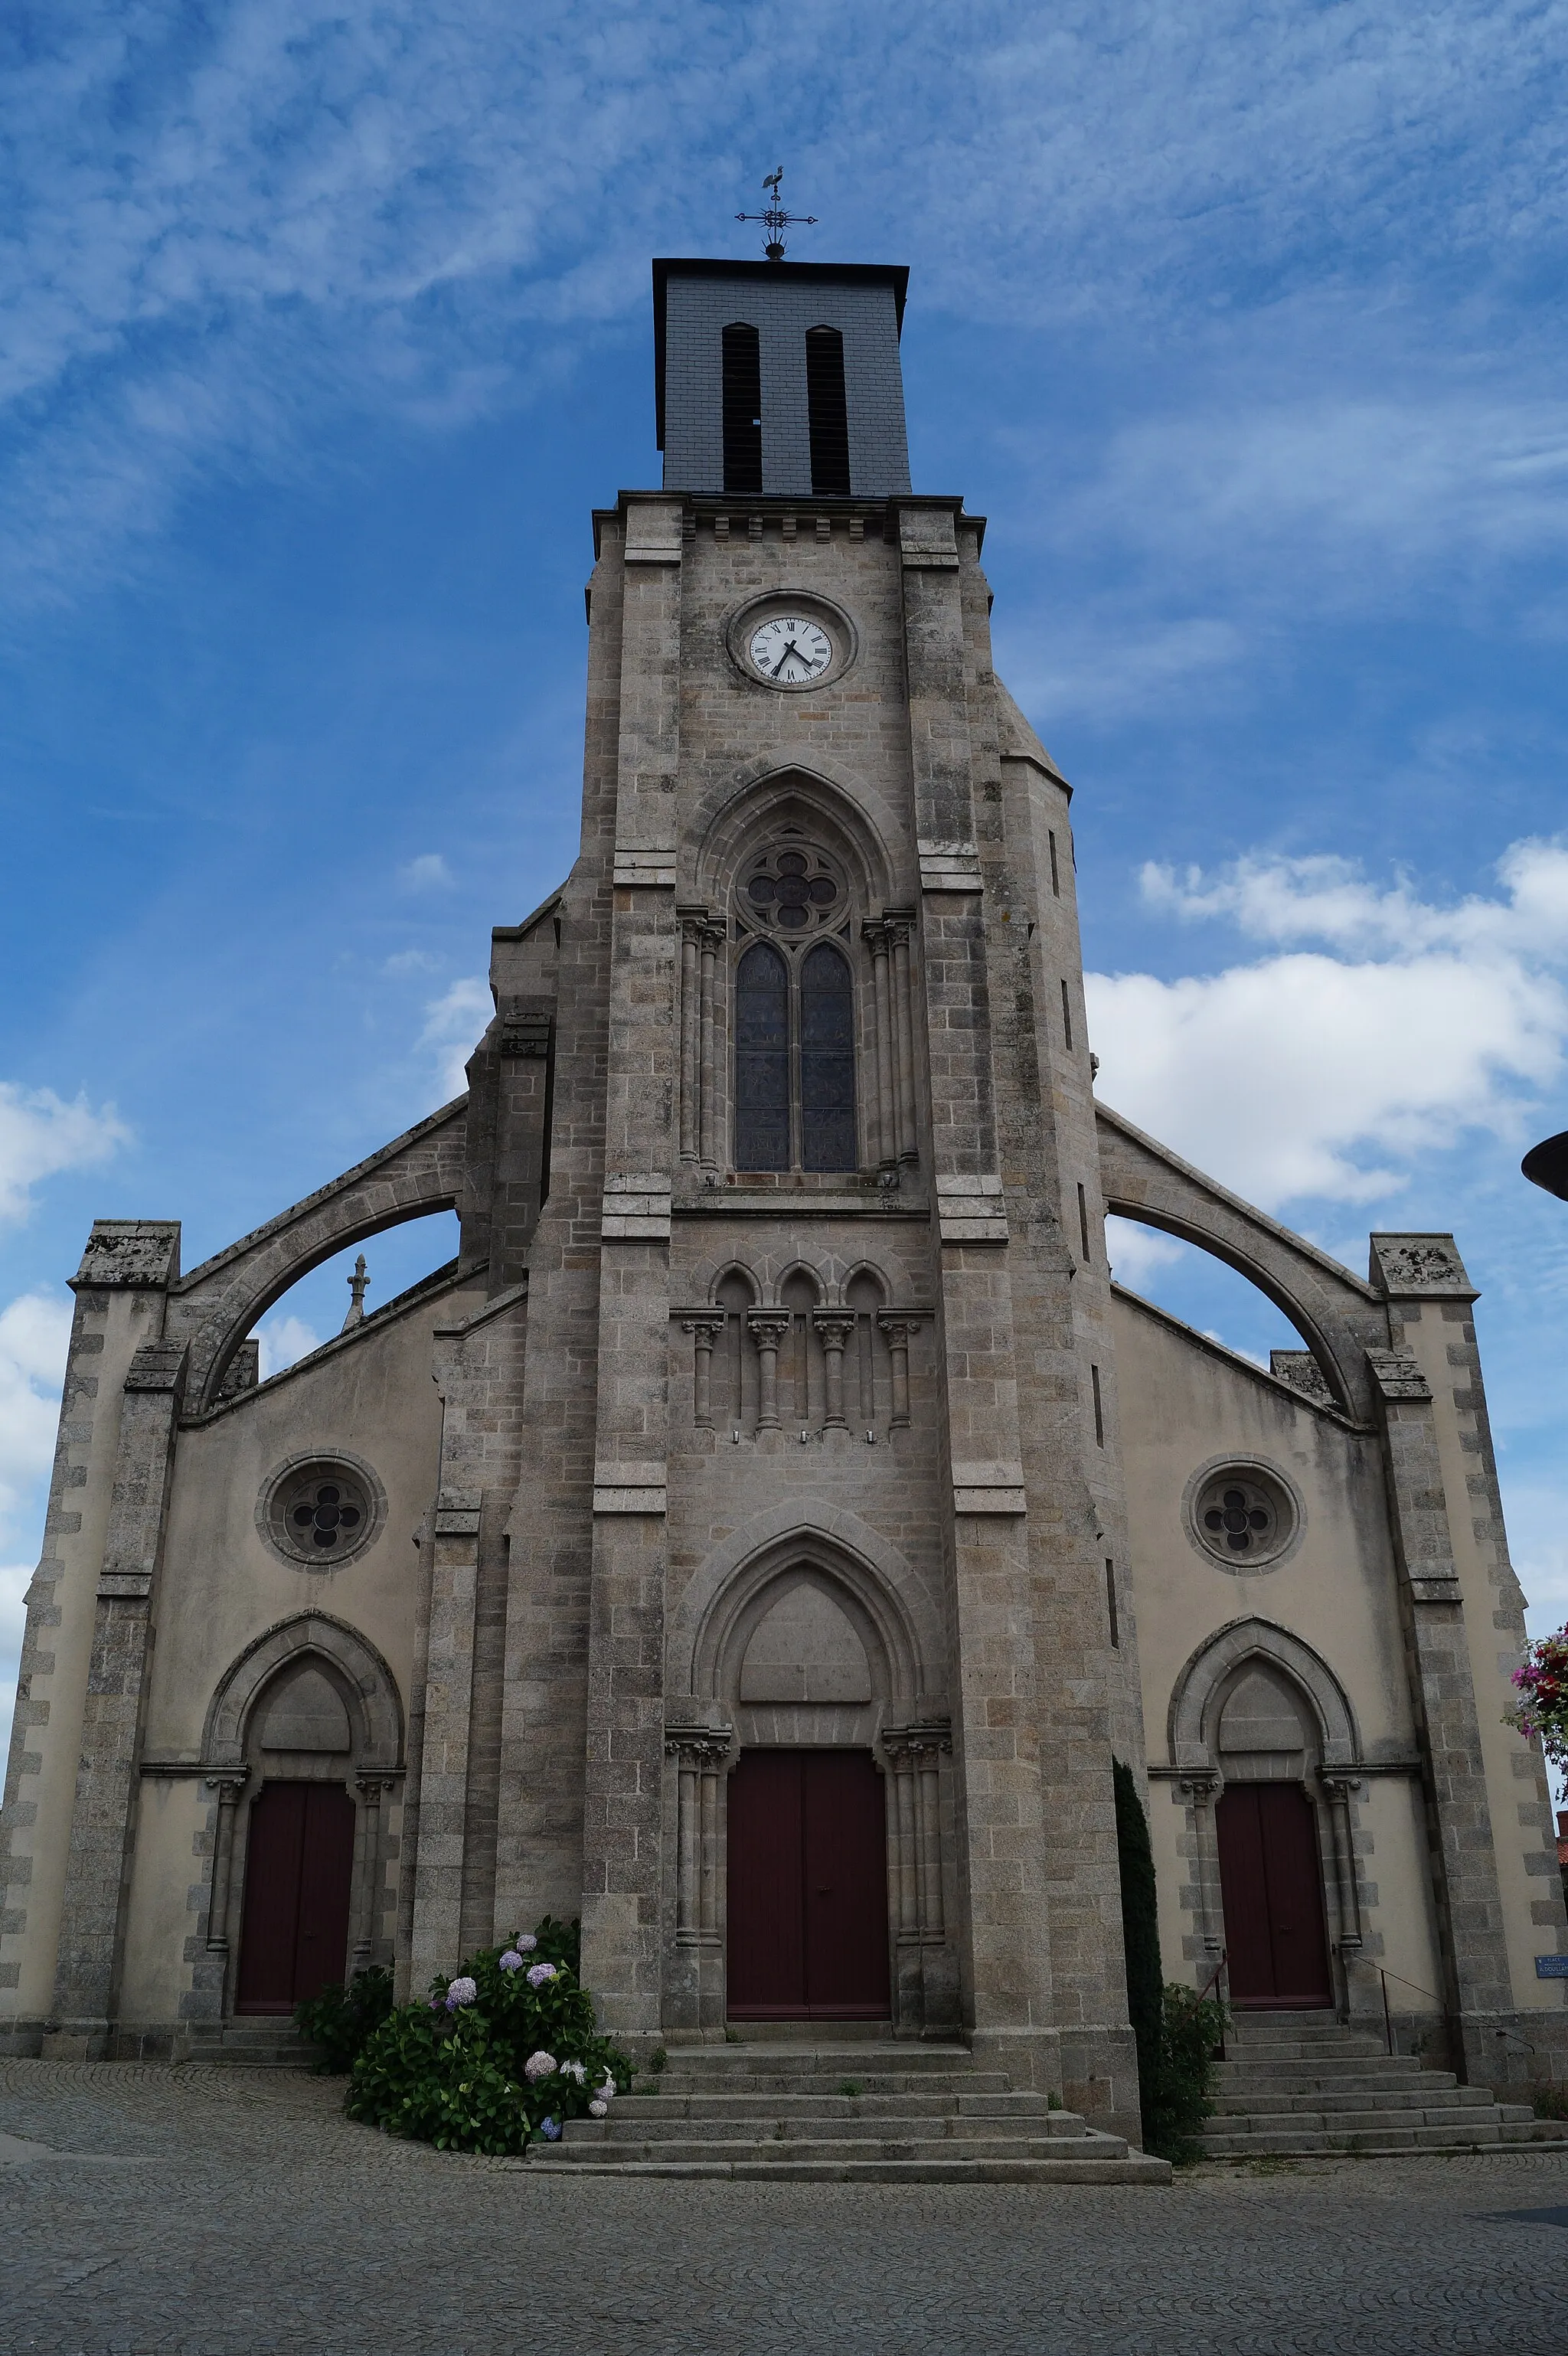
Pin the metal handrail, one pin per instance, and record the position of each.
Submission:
(1442, 2002)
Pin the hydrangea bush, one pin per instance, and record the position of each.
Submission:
(1541, 1683)
(507, 2050)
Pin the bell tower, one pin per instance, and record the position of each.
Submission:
(816, 1424)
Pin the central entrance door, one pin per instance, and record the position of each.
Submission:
(1271, 1881)
(299, 1868)
(807, 1887)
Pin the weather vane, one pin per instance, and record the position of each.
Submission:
(775, 220)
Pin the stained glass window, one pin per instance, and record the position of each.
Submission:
(826, 1061)
(761, 1060)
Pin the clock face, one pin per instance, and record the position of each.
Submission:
(789, 650)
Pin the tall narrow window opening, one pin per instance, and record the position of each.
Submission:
(827, 413)
(1066, 1015)
(827, 1062)
(1111, 1601)
(742, 409)
(1084, 1219)
(761, 1060)
(1055, 871)
(1099, 1407)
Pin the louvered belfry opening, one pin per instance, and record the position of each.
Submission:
(827, 413)
(743, 410)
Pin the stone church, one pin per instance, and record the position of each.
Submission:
(761, 1537)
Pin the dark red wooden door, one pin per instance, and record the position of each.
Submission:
(807, 1887)
(1273, 1883)
(299, 1867)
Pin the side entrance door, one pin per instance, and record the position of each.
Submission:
(299, 1867)
(1271, 1881)
(807, 1887)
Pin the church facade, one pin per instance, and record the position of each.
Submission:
(762, 1537)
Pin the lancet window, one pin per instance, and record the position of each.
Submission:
(797, 1023)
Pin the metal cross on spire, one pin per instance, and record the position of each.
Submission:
(775, 220)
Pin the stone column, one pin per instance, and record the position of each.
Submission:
(898, 1330)
(712, 944)
(87, 1967)
(836, 1330)
(374, 1792)
(875, 934)
(704, 1332)
(904, 1042)
(691, 1033)
(228, 1788)
(768, 1328)
(1339, 1789)
(926, 1987)
(1470, 1919)
(1198, 1792)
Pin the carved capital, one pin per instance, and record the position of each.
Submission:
(702, 1749)
(911, 1748)
(1339, 1787)
(899, 1324)
(376, 1784)
(835, 1326)
(768, 1327)
(1199, 1788)
(707, 1325)
(228, 1784)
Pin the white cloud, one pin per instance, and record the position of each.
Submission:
(33, 1332)
(41, 1135)
(1311, 1074)
(411, 961)
(1136, 1252)
(428, 872)
(454, 1022)
(294, 210)
(1098, 667)
(284, 1340)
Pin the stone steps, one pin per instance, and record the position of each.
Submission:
(779, 2111)
(262, 2044)
(1289, 2087)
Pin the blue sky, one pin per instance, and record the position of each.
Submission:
(324, 328)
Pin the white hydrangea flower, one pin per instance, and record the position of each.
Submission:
(526, 1945)
(575, 2069)
(539, 2065)
(598, 2110)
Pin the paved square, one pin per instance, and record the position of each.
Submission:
(234, 2214)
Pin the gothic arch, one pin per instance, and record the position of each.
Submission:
(1192, 1723)
(870, 1579)
(741, 819)
(371, 1681)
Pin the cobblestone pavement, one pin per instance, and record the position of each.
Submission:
(235, 2212)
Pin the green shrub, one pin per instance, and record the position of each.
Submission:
(340, 2018)
(1140, 1932)
(1179, 2099)
(453, 2071)
(1177, 2036)
(1551, 2101)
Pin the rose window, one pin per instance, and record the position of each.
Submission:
(321, 1510)
(792, 890)
(327, 1518)
(1242, 1517)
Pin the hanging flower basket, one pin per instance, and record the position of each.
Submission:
(1541, 1683)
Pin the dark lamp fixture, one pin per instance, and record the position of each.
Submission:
(1546, 1165)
